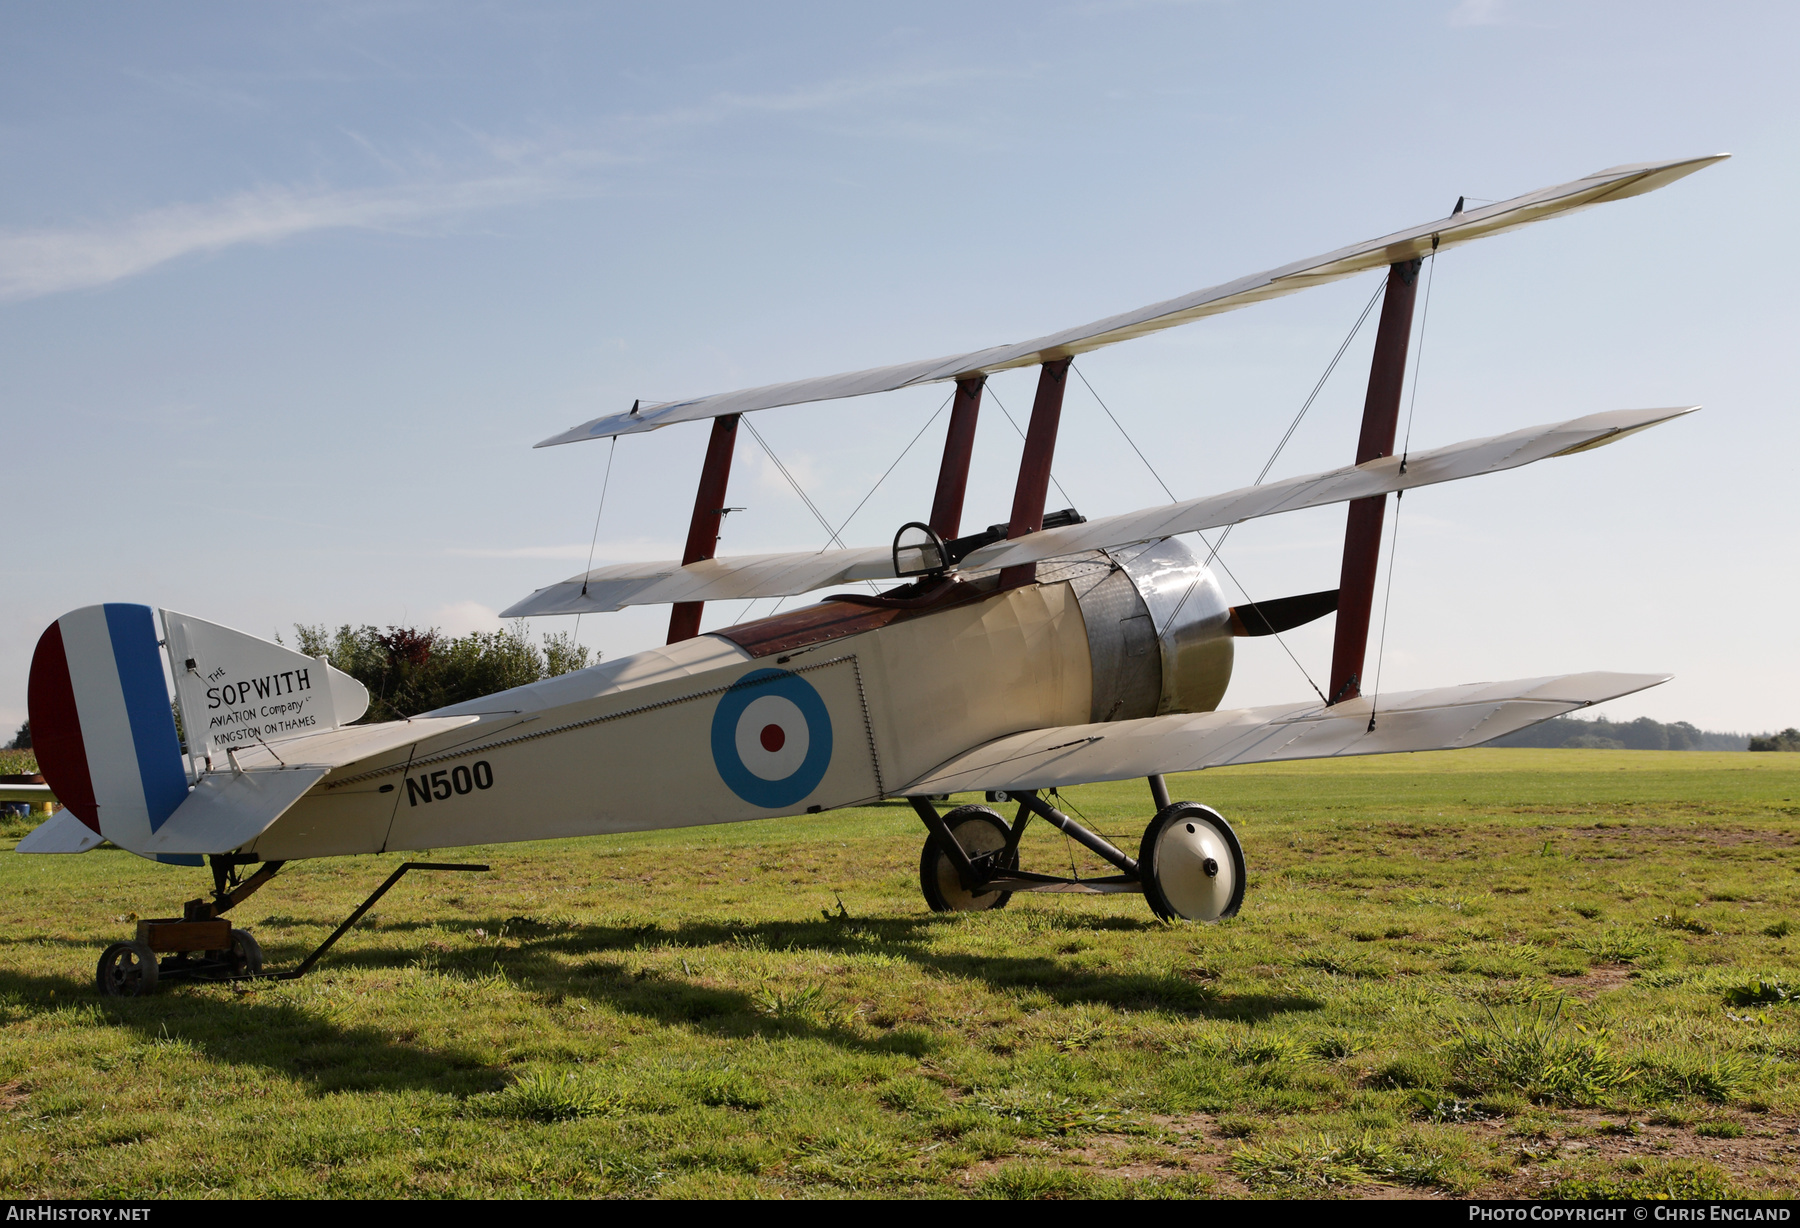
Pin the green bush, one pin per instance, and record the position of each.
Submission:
(408, 671)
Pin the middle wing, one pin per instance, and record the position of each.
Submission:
(787, 575)
(1442, 719)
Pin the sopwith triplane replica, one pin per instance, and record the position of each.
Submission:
(1047, 651)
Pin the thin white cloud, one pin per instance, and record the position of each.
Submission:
(50, 260)
(47, 261)
(1479, 13)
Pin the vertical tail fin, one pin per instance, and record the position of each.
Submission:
(104, 731)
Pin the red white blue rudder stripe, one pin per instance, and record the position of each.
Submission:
(101, 724)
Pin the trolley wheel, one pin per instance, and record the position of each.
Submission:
(1192, 864)
(978, 830)
(245, 956)
(127, 970)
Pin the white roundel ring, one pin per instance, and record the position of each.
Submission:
(772, 738)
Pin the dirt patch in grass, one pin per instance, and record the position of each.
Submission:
(1702, 834)
(12, 1095)
(1595, 981)
(1764, 1160)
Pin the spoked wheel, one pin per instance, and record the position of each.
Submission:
(127, 970)
(1192, 864)
(245, 956)
(978, 830)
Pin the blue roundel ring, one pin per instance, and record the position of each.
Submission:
(771, 794)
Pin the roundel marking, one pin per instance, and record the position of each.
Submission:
(771, 738)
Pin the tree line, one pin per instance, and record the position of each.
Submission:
(1566, 732)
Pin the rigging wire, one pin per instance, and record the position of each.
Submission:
(1213, 548)
(804, 498)
(1419, 354)
(1213, 551)
(1089, 823)
(1128, 438)
(595, 540)
(892, 467)
(859, 507)
(1311, 397)
(1240, 588)
(1021, 434)
(1387, 598)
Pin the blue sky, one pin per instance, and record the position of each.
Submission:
(287, 293)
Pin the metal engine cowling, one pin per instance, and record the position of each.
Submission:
(1158, 628)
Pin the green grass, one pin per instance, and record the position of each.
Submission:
(1509, 971)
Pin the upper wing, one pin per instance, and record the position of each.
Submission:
(784, 575)
(1615, 183)
(1441, 719)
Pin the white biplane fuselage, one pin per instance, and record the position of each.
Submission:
(832, 705)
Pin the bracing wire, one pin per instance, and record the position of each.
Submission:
(1091, 825)
(1213, 548)
(1021, 434)
(1122, 431)
(1213, 551)
(1387, 600)
(890, 469)
(1284, 647)
(1310, 398)
(804, 498)
(595, 540)
(1387, 596)
(878, 481)
(1419, 355)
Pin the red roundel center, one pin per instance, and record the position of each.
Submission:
(773, 738)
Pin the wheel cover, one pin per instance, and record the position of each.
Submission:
(1184, 848)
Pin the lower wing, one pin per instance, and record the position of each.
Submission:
(1442, 719)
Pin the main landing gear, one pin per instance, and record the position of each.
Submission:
(1189, 867)
(200, 945)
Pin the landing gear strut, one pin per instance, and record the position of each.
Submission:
(1189, 867)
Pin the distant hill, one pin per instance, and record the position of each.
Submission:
(1641, 734)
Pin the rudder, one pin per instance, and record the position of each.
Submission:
(101, 722)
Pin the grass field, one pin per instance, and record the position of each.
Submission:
(1503, 972)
